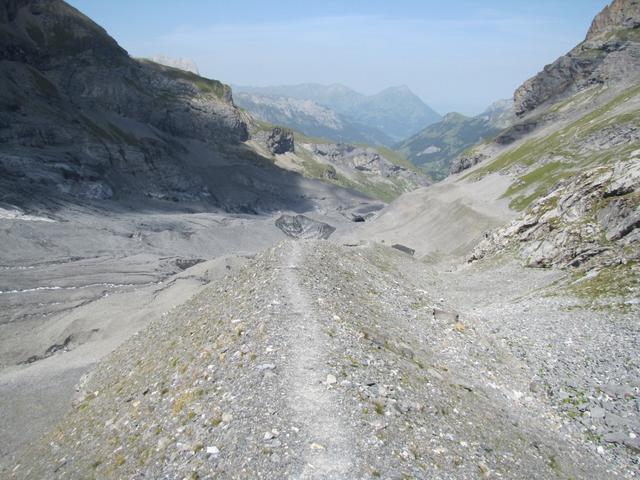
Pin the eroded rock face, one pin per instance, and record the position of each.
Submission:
(303, 227)
(366, 160)
(278, 140)
(464, 162)
(610, 54)
(620, 14)
(78, 116)
(594, 216)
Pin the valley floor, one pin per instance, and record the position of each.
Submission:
(315, 360)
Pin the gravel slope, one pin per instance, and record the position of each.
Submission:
(317, 361)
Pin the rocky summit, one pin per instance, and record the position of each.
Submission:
(192, 289)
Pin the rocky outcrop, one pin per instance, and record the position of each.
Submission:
(366, 160)
(464, 162)
(610, 55)
(80, 118)
(277, 141)
(595, 216)
(303, 227)
(620, 14)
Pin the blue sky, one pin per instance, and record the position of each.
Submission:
(457, 56)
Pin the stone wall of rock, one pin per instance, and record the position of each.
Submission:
(592, 218)
(79, 116)
(621, 13)
(609, 55)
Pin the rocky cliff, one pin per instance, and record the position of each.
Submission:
(575, 161)
(78, 116)
(610, 55)
(620, 14)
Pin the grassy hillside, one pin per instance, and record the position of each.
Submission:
(598, 138)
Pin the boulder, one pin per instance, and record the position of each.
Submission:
(302, 227)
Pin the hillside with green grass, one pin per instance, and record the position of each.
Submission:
(434, 148)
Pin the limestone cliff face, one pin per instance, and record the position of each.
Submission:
(78, 115)
(610, 55)
(620, 14)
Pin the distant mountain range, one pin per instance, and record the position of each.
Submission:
(310, 118)
(434, 148)
(387, 117)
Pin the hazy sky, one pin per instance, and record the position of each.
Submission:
(456, 55)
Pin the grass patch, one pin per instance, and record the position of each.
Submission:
(205, 85)
(564, 148)
(182, 401)
(613, 281)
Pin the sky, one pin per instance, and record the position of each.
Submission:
(456, 55)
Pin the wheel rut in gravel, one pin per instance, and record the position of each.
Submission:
(329, 452)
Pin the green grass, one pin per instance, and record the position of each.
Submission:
(96, 130)
(205, 85)
(314, 140)
(563, 148)
(536, 184)
(613, 281)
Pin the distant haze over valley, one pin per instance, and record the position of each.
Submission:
(384, 118)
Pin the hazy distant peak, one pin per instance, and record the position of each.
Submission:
(395, 111)
(399, 89)
(186, 64)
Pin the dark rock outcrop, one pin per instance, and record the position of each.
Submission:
(79, 117)
(303, 227)
(465, 162)
(277, 140)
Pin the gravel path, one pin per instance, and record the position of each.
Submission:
(328, 454)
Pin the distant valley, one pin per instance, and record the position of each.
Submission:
(340, 113)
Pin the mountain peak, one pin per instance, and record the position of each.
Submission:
(620, 14)
(612, 60)
(403, 89)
